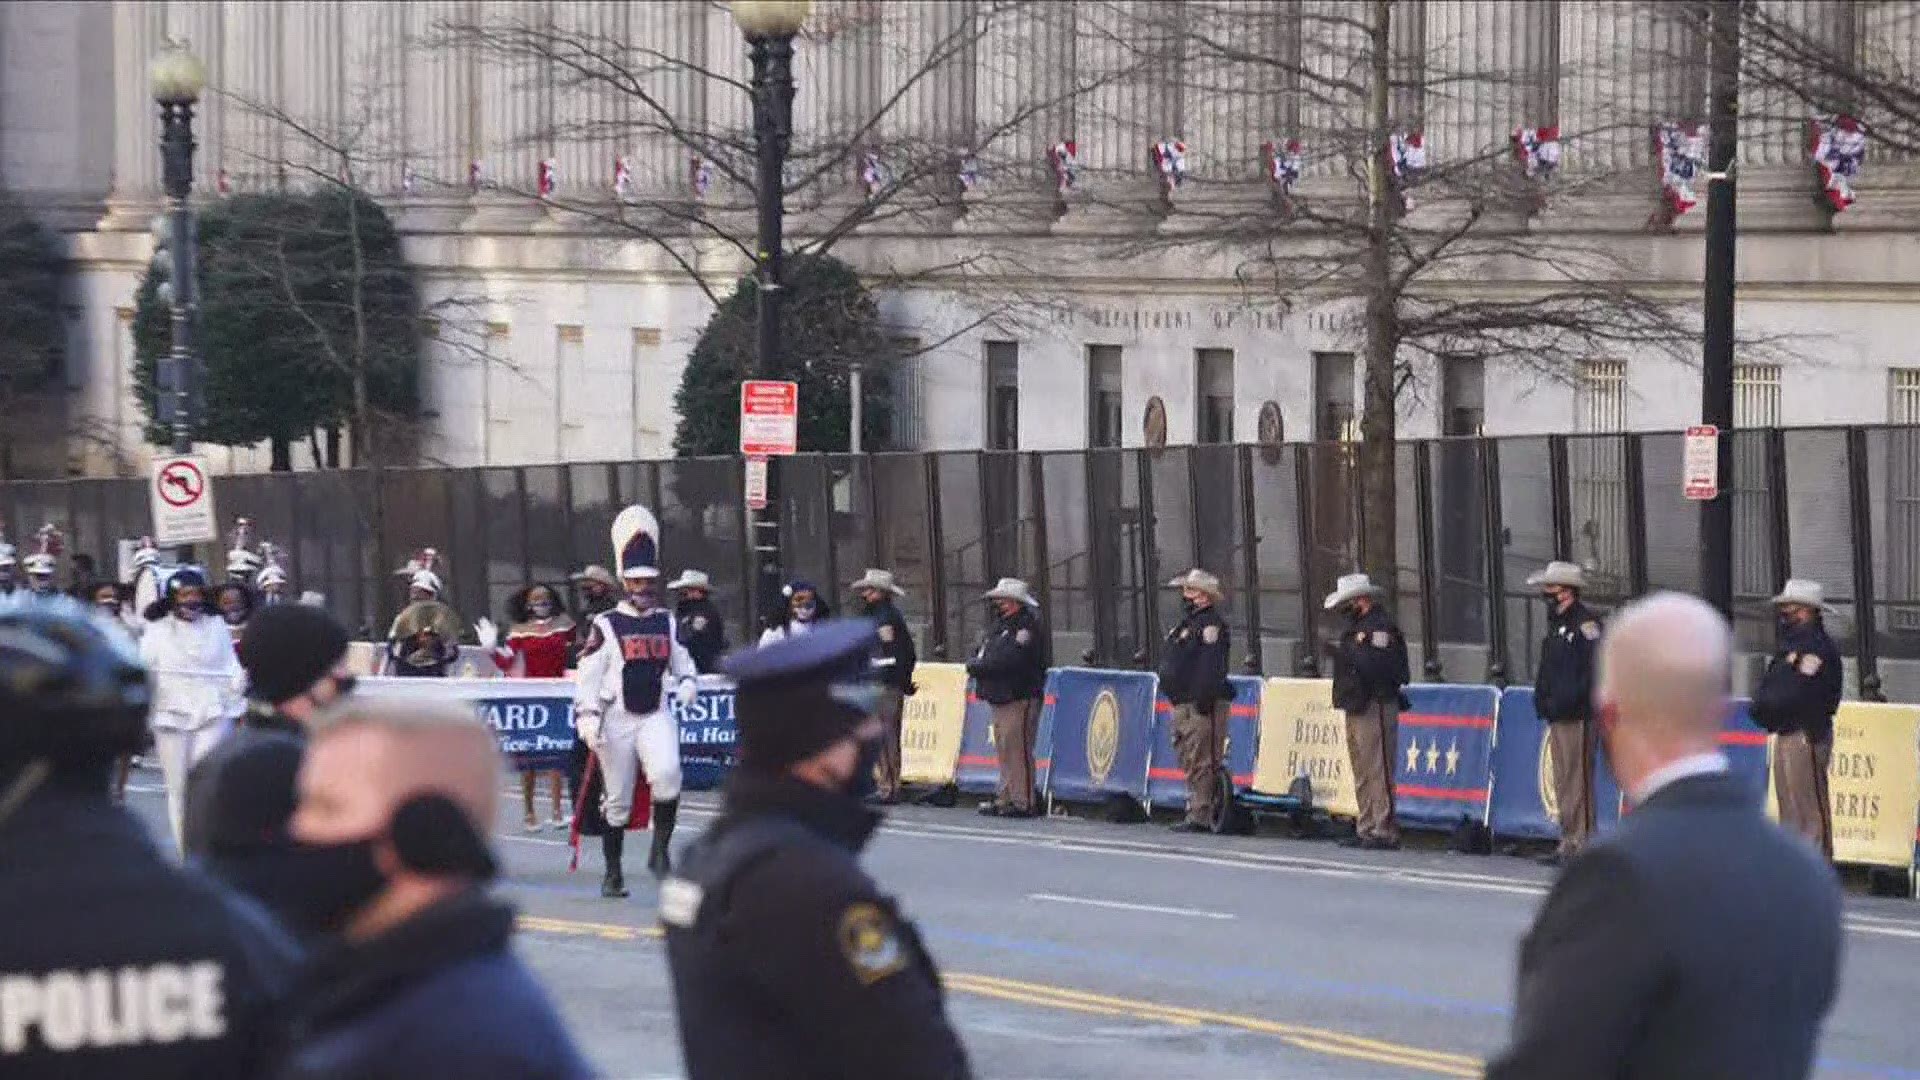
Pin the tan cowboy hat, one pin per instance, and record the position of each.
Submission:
(599, 574)
(1563, 574)
(1199, 579)
(1804, 592)
(692, 579)
(1012, 588)
(1351, 587)
(877, 579)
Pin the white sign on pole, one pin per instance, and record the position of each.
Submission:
(769, 418)
(1700, 472)
(756, 483)
(182, 499)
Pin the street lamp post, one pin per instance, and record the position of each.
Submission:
(770, 26)
(177, 77)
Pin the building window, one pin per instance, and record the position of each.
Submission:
(1756, 395)
(1903, 396)
(1597, 458)
(1463, 397)
(1333, 412)
(1003, 395)
(903, 395)
(1756, 404)
(1214, 421)
(1903, 510)
(1600, 397)
(1103, 395)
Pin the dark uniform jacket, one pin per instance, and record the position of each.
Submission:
(787, 960)
(1653, 957)
(1369, 662)
(896, 644)
(1012, 662)
(85, 898)
(1801, 689)
(702, 633)
(1563, 686)
(1193, 663)
(438, 995)
(204, 805)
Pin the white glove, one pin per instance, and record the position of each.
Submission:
(686, 692)
(587, 725)
(487, 634)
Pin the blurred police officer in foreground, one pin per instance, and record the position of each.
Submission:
(1563, 697)
(787, 959)
(113, 962)
(1193, 675)
(876, 594)
(1796, 700)
(416, 977)
(1369, 669)
(1010, 674)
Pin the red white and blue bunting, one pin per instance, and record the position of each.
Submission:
(1839, 148)
(476, 177)
(875, 177)
(1169, 157)
(1682, 149)
(700, 174)
(1407, 153)
(549, 177)
(622, 179)
(1064, 158)
(409, 180)
(1538, 151)
(1284, 164)
(968, 172)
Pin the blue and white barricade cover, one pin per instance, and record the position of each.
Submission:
(978, 770)
(532, 718)
(1443, 766)
(1102, 733)
(1525, 805)
(1745, 744)
(709, 734)
(1167, 781)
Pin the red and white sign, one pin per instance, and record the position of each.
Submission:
(769, 418)
(756, 483)
(182, 500)
(1700, 468)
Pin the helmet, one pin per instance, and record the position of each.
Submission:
(70, 691)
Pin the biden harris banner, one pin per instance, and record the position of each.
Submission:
(933, 723)
(1873, 784)
(1303, 735)
(978, 770)
(1443, 768)
(1102, 725)
(1167, 779)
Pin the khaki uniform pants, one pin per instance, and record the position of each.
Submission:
(886, 774)
(1014, 727)
(1201, 740)
(1573, 745)
(1800, 787)
(1373, 738)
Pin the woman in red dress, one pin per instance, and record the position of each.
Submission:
(539, 635)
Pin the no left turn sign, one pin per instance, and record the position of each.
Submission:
(182, 502)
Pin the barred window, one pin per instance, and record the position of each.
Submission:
(1756, 395)
(1756, 404)
(1103, 395)
(1600, 397)
(1597, 459)
(1903, 397)
(1903, 501)
(1214, 402)
(1003, 395)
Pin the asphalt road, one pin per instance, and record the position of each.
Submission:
(1082, 950)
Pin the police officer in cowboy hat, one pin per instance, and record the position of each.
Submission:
(1796, 700)
(1010, 673)
(1369, 669)
(702, 632)
(1193, 675)
(1563, 697)
(876, 592)
(787, 959)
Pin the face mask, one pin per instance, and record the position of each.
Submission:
(803, 612)
(1189, 606)
(235, 617)
(327, 883)
(541, 609)
(642, 599)
(186, 612)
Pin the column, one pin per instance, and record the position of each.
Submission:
(1026, 72)
(373, 103)
(1332, 117)
(930, 65)
(199, 23)
(1237, 104)
(661, 161)
(313, 76)
(438, 95)
(252, 49)
(838, 68)
(1599, 80)
(1773, 117)
(513, 126)
(726, 108)
(139, 31)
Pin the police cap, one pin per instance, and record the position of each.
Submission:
(801, 694)
(71, 692)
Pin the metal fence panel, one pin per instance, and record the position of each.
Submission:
(1276, 510)
(1526, 543)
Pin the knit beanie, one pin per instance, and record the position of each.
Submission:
(287, 648)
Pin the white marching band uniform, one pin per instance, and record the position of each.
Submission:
(620, 739)
(198, 687)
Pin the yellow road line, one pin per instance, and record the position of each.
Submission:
(1315, 1040)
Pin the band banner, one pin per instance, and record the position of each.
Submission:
(1873, 782)
(1443, 770)
(978, 771)
(531, 718)
(931, 723)
(1167, 781)
(1102, 733)
(708, 733)
(1302, 734)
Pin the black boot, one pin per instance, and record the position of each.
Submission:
(659, 861)
(612, 843)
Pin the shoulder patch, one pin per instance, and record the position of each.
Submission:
(680, 901)
(1210, 635)
(1590, 630)
(1360, 638)
(699, 623)
(871, 942)
(1182, 633)
(1024, 636)
(1382, 639)
(886, 633)
(1810, 664)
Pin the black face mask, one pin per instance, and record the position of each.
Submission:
(325, 884)
(1189, 606)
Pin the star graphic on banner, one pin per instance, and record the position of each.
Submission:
(1433, 755)
(1413, 755)
(1453, 757)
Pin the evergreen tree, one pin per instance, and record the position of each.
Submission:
(32, 331)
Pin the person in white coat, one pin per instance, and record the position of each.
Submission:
(198, 681)
(804, 609)
(632, 659)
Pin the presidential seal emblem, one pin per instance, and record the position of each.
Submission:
(1103, 735)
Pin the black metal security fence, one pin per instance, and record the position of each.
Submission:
(1097, 533)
